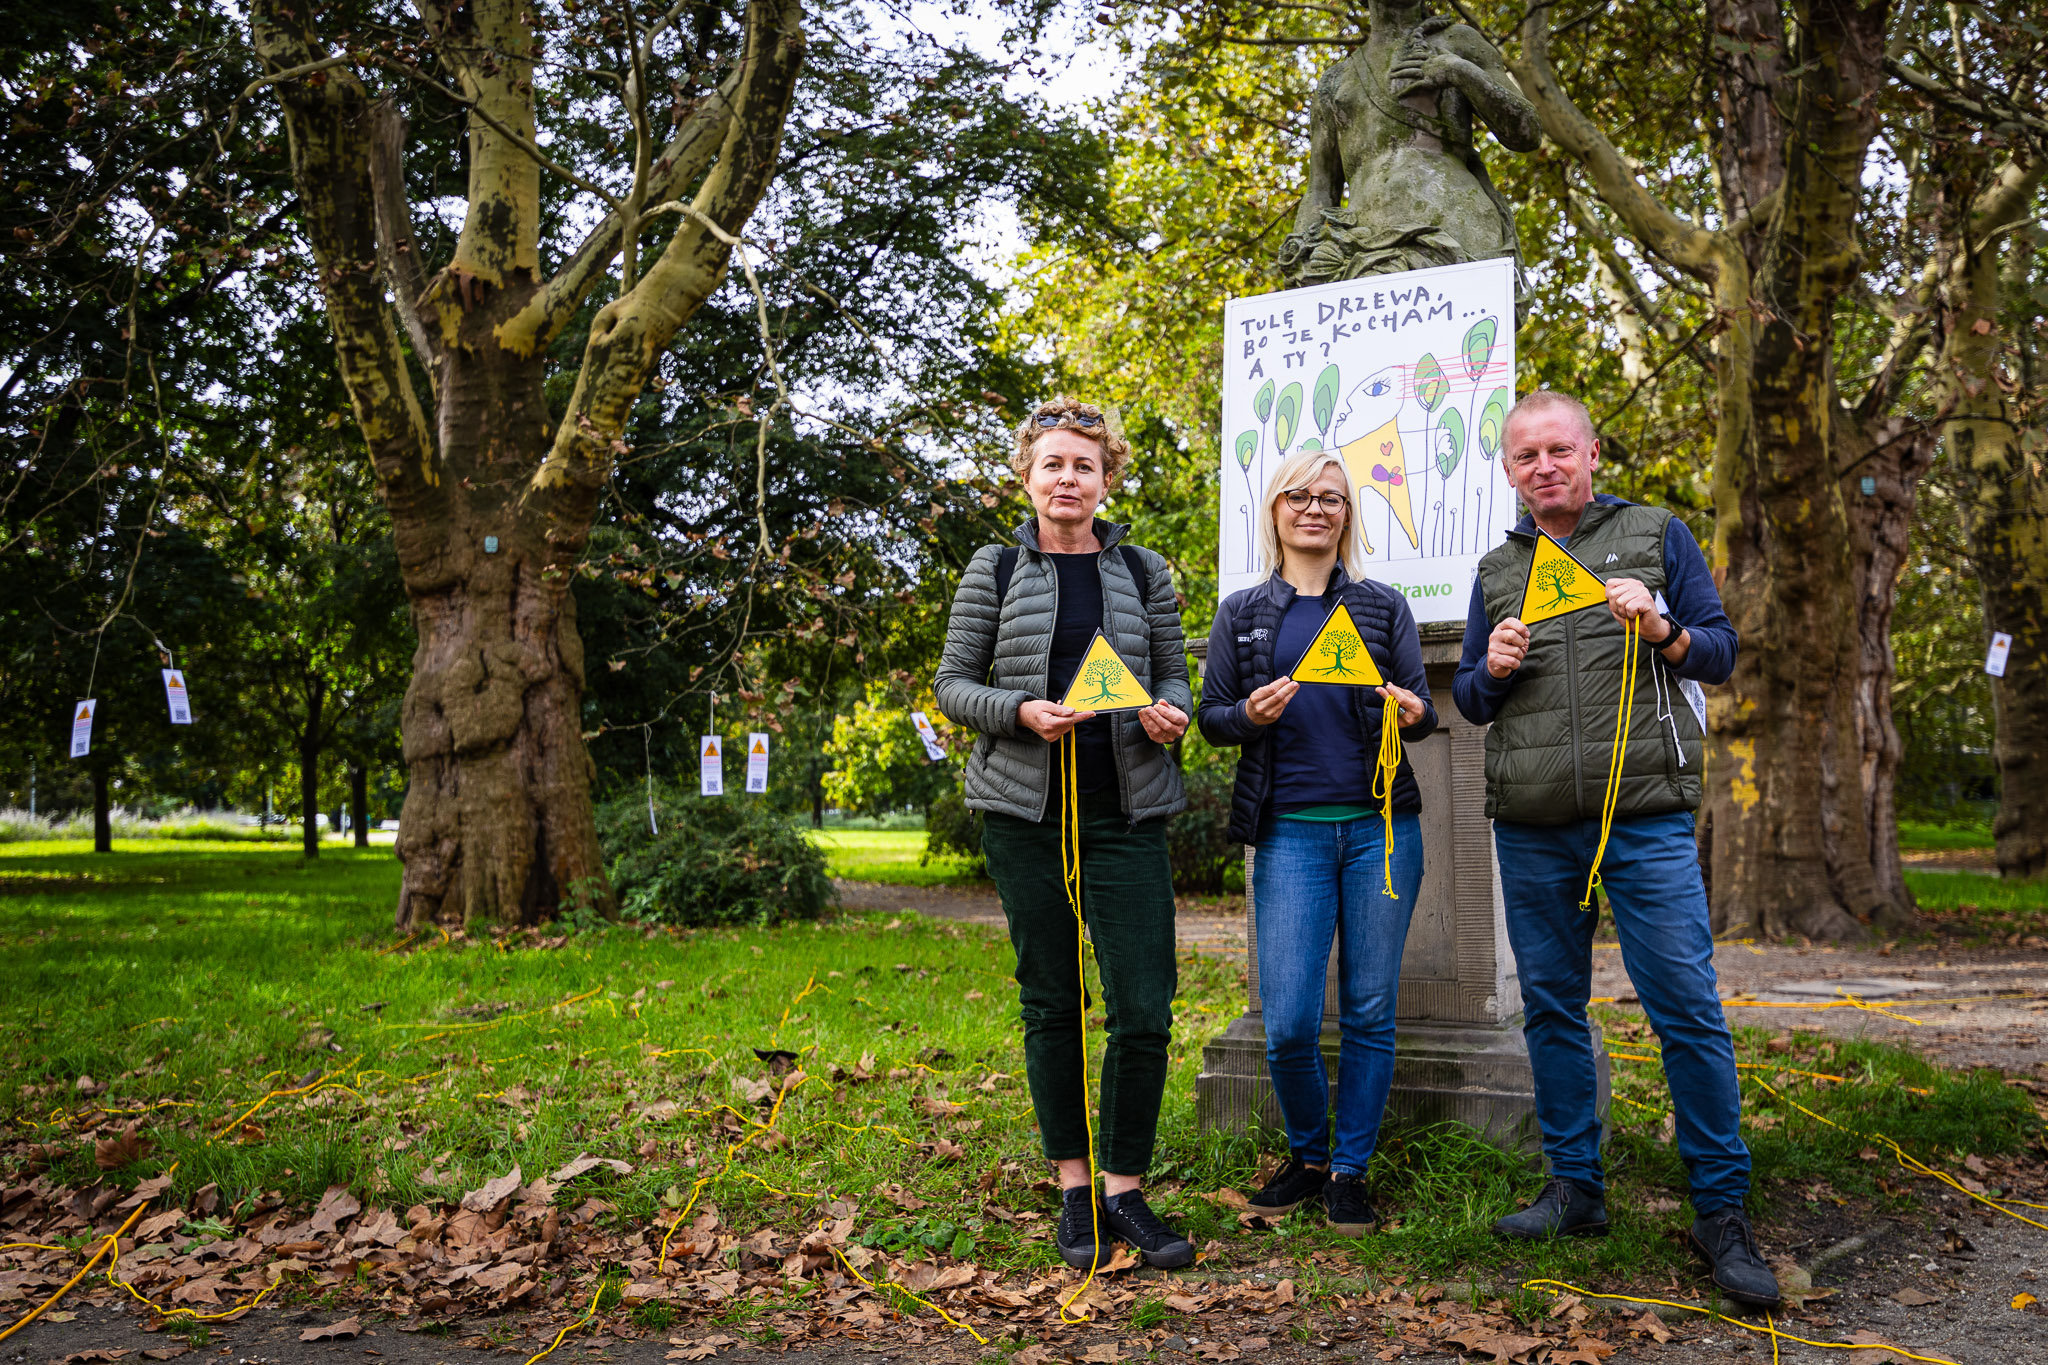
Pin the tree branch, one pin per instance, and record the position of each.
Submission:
(398, 251)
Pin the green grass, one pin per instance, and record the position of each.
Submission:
(1979, 906)
(891, 856)
(195, 979)
(1921, 834)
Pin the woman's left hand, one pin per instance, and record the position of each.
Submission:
(1412, 709)
(1164, 722)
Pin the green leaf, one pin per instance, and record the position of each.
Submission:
(1479, 347)
(1325, 399)
(1310, 443)
(1450, 441)
(1492, 418)
(1247, 446)
(1263, 403)
(1430, 383)
(1287, 417)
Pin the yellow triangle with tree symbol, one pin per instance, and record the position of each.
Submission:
(760, 747)
(1338, 655)
(1104, 682)
(1558, 584)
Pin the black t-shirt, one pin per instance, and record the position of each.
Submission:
(1080, 616)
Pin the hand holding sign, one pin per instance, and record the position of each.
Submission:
(1265, 704)
(1048, 719)
(1507, 647)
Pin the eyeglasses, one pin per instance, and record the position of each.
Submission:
(1079, 419)
(1331, 503)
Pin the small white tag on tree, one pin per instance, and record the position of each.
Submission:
(81, 728)
(175, 694)
(2000, 651)
(757, 762)
(710, 767)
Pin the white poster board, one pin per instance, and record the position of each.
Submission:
(81, 728)
(757, 762)
(1411, 376)
(174, 693)
(710, 767)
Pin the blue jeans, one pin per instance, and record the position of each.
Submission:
(1651, 876)
(1311, 881)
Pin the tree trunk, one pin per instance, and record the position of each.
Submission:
(491, 503)
(309, 770)
(102, 812)
(817, 804)
(1892, 457)
(359, 802)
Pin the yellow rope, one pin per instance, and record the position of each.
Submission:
(1385, 770)
(112, 1243)
(1771, 1331)
(588, 1314)
(1070, 874)
(901, 1290)
(1632, 636)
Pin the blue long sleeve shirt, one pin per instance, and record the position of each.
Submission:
(1689, 593)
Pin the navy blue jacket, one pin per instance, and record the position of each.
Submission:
(1240, 661)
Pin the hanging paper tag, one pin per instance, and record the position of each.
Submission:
(174, 693)
(757, 762)
(933, 750)
(710, 767)
(81, 728)
(2000, 651)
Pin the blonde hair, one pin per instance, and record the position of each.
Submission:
(1299, 470)
(1116, 451)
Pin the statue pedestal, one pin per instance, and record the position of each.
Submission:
(1459, 1052)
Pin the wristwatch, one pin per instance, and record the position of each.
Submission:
(1671, 639)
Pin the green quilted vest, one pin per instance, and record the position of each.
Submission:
(1548, 751)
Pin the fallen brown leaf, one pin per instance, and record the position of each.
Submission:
(1032, 1355)
(585, 1162)
(334, 1331)
(96, 1353)
(700, 1349)
(122, 1150)
(900, 1197)
(1914, 1298)
(1102, 1353)
(494, 1193)
(335, 1206)
(1883, 1354)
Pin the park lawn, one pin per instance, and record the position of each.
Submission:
(1920, 834)
(891, 856)
(1977, 906)
(198, 980)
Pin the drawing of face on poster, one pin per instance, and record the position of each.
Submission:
(1410, 377)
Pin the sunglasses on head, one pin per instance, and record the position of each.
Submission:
(1079, 419)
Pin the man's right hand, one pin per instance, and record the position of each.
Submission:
(1048, 719)
(1507, 647)
(1264, 706)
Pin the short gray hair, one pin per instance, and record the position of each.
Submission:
(1547, 400)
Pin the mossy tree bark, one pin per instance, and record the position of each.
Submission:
(491, 495)
(1786, 824)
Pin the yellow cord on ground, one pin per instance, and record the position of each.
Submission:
(1070, 872)
(1560, 1287)
(588, 1314)
(901, 1290)
(1383, 774)
(1632, 637)
(112, 1243)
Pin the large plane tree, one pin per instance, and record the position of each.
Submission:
(492, 487)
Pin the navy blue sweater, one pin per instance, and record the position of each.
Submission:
(1689, 592)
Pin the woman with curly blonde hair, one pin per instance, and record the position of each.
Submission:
(1022, 621)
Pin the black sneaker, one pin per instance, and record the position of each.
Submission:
(1132, 1219)
(1084, 1234)
(1562, 1210)
(1725, 1241)
(1349, 1207)
(1293, 1186)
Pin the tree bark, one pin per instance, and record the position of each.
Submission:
(309, 768)
(1785, 823)
(102, 812)
(359, 802)
(491, 504)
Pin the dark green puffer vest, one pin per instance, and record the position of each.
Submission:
(1548, 750)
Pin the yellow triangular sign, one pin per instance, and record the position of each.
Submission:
(1104, 682)
(760, 747)
(1558, 584)
(1338, 655)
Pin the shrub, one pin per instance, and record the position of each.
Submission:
(717, 860)
(952, 830)
(1196, 841)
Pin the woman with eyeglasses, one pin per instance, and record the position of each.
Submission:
(1304, 800)
(1022, 620)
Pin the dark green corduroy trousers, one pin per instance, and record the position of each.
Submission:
(1127, 896)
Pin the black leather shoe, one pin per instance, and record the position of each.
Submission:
(1287, 1191)
(1132, 1219)
(1726, 1242)
(1084, 1234)
(1349, 1207)
(1562, 1210)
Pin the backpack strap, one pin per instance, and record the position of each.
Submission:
(1006, 568)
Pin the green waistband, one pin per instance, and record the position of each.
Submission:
(1332, 813)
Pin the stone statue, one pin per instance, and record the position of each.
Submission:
(1394, 180)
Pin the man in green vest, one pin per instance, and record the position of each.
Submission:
(1551, 693)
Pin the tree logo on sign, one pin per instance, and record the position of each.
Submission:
(1558, 576)
(1340, 645)
(1104, 674)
